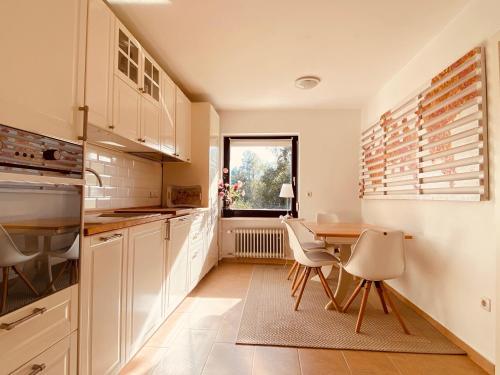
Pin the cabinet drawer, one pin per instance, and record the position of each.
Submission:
(36, 331)
(59, 359)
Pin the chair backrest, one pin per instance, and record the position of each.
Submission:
(377, 255)
(293, 240)
(9, 253)
(74, 251)
(326, 218)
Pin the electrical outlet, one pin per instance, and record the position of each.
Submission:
(486, 304)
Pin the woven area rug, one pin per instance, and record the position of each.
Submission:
(269, 319)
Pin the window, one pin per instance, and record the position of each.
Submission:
(262, 165)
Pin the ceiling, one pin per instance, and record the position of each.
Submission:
(246, 54)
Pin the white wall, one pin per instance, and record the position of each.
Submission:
(328, 153)
(452, 261)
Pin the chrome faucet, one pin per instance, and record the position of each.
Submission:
(94, 172)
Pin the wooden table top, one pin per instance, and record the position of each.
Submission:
(345, 230)
(52, 224)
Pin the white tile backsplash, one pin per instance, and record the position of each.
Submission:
(128, 180)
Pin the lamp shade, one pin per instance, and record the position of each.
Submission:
(286, 191)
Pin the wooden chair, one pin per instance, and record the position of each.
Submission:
(311, 260)
(376, 256)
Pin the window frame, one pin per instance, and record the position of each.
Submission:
(228, 212)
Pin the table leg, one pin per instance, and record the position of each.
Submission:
(345, 278)
(47, 246)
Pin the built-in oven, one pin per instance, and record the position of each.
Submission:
(41, 189)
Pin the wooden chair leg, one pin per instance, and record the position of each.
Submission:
(393, 308)
(295, 277)
(304, 282)
(299, 282)
(292, 268)
(25, 279)
(363, 306)
(5, 288)
(381, 296)
(327, 289)
(52, 283)
(353, 295)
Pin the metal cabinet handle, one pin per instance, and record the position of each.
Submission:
(110, 238)
(35, 369)
(36, 311)
(85, 109)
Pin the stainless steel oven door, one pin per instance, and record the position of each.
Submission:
(40, 237)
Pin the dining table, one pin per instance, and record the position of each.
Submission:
(343, 236)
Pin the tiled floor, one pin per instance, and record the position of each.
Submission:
(199, 338)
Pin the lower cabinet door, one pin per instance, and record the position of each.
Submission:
(102, 349)
(144, 284)
(178, 261)
(59, 359)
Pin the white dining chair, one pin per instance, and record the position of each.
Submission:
(376, 256)
(72, 256)
(311, 259)
(10, 258)
(307, 241)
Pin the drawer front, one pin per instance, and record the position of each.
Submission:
(59, 359)
(36, 327)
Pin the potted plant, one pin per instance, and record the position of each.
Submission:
(229, 193)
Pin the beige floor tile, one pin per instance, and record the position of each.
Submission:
(188, 353)
(275, 361)
(145, 361)
(167, 332)
(229, 359)
(373, 363)
(434, 364)
(322, 362)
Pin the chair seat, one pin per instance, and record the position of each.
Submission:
(321, 256)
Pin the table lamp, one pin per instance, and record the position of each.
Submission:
(287, 192)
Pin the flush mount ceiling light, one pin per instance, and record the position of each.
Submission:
(307, 82)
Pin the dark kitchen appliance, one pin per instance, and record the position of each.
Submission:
(41, 187)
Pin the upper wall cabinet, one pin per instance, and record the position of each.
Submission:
(150, 102)
(167, 127)
(182, 126)
(99, 69)
(42, 66)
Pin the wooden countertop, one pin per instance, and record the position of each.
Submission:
(115, 223)
(106, 224)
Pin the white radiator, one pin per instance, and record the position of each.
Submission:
(259, 242)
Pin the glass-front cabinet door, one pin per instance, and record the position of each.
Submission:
(151, 79)
(127, 56)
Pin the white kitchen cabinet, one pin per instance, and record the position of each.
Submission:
(126, 110)
(178, 261)
(145, 271)
(99, 64)
(102, 321)
(167, 127)
(59, 359)
(44, 323)
(197, 248)
(150, 123)
(182, 126)
(43, 65)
